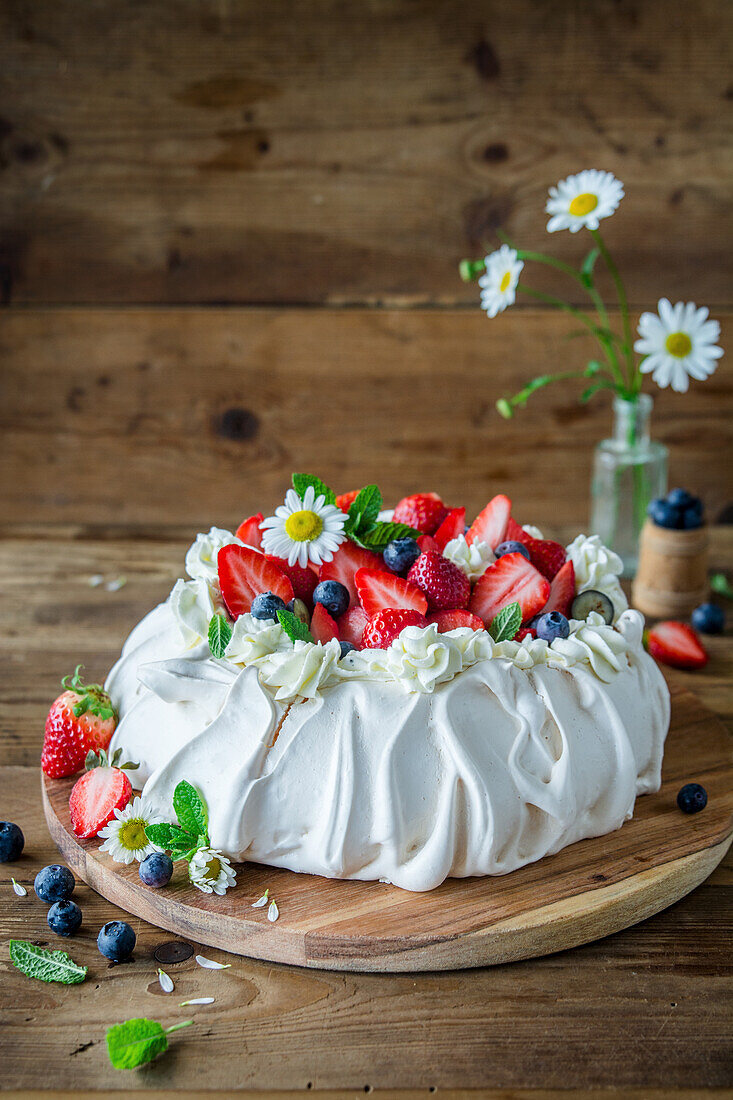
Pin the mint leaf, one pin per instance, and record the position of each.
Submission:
(364, 510)
(506, 624)
(302, 481)
(720, 584)
(220, 633)
(382, 533)
(171, 839)
(45, 964)
(296, 630)
(135, 1042)
(190, 810)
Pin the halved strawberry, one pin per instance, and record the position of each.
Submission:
(244, 573)
(452, 526)
(545, 555)
(383, 627)
(95, 797)
(378, 590)
(562, 590)
(676, 644)
(345, 500)
(351, 625)
(490, 525)
(423, 511)
(511, 579)
(323, 626)
(514, 533)
(455, 619)
(343, 566)
(427, 542)
(249, 531)
(302, 578)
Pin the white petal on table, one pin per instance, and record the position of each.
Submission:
(166, 982)
(261, 902)
(198, 1001)
(273, 912)
(19, 890)
(209, 964)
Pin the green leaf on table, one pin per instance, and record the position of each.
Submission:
(364, 510)
(720, 584)
(506, 624)
(301, 482)
(295, 629)
(172, 839)
(45, 964)
(190, 809)
(220, 633)
(135, 1042)
(383, 533)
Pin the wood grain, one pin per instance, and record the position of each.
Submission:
(209, 152)
(154, 420)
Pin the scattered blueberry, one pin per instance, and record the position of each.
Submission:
(346, 647)
(334, 596)
(54, 883)
(679, 498)
(156, 869)
(11, 842)
(552, 625)
(692, 798)
(266, 606)
(300, 609)
(679, 510)
(64, 918)
(592, 600)
(511, 547)
(116, 941)
(708, 618)
(400, 554)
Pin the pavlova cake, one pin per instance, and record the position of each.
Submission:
(388, 696)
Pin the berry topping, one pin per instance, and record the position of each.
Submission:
(116, 940)
(514, 532)
(445, 585)
(552, 625)
(245, 573)
(334, 596)
(400, 554)
(676, 644)
(546, 556)
(511, 579)
(95, 797)
(427, 542)
(11, 842)
(266, 606)
(249, 531)
(323, 628)
(343, 566)
(692, 798)
(64, 918)
(351, 625)
(54, 883)
(299, 609)
(302, 577)
(562, 591)
(383, 627)
(452, 526)
(511, 546)
(490, 525)
(346, 647)
(525, 632)
(455, 619)
(708, 618)
(378, 590)
(82, 719)
(345, 500)
(423, 511)
(156, 869)
(592, 600)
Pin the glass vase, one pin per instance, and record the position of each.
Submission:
(629, 470)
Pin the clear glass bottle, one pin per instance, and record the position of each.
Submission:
(629, 470)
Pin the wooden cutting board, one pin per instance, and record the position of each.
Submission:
(583, 893)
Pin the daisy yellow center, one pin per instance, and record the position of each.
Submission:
(678, 344)
(303, 526)
(132, 834)
(505, 281)
(583, 204)
(213, 868)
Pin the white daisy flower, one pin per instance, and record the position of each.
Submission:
(125, 838)
(583, 200)
(304, 530)
(499, 284)
(211, 872)
(678, 341)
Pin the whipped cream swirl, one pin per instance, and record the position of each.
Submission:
(472, 558)
(599, 568)
(202, 554)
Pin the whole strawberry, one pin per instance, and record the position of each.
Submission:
(423, 511)
(388, 624)
(445, 585)
(80, 720)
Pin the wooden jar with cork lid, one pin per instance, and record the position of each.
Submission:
(672, 577)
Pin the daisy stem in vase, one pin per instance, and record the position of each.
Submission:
(634, 378)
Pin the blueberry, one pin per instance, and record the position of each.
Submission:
(116, 941)
(156, 869)
(708, 618)
(692, 798)
(691, 518)
(64, 918)
(592, 600)
(511, 547)
(11, 842)
(552, 625)
(266, 606)
(334, 596)
(664, 514)
(300, 609)
(54, 883)
(679, 498)
(346, 647)
(400, 554)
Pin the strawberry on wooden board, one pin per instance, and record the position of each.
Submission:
(445, 585)
(345, 562)
(386, 625)
(95, 797)
(510, 579)
(455, 619)
(490, 525)
(323, 627)
(345, 500)
(378, 590)
(249, 531)
(452, 526)
(302, 578)
(423, 511)
(676, 644)
(351, 625)
(81, 720)
(245, 573)
(562, 590)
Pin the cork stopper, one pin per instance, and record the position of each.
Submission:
(672, 578)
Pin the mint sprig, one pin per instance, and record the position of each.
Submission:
(301, 482)
(295, 629)
(505, 625)
(136, 1042)
(173, 839)
(383, 533)
(220, 634)
(190, 809)
(45, 964)
(191, 833)
(363, 511)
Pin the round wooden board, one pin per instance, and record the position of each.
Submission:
(586, 891)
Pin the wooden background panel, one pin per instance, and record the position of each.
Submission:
(333, 151)
(170, 420)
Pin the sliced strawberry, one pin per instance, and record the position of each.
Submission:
(511, 579)
(323, 627)
(378, 590)
(95, 797)
(452, 526)
(386, 625)
(423, 511)
(351, 625)
(249, 531)
(345, 500)
(562, 590)
(244, 573)
(302, 578)
(524, 632)
(676, 644)
(445, 585)
(343, 566)
(514, 533)
(490, 525)
(545, 555)
(455, 619)
(427, 542)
